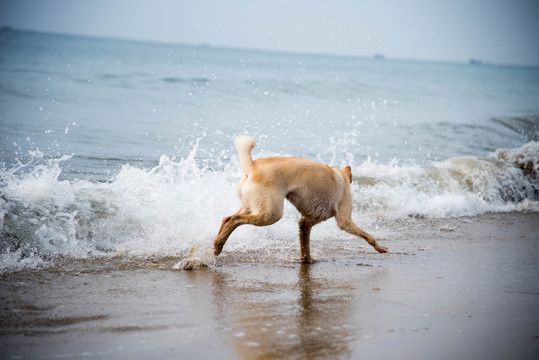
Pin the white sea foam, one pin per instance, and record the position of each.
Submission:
(165, 210)
(454, 187)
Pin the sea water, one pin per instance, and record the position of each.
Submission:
(122, 148)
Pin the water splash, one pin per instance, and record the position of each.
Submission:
(201, 254)
(166, 210)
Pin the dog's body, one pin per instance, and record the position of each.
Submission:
(318, 191)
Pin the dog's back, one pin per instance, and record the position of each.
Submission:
(313, 188)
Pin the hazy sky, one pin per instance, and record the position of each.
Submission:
(449, 30)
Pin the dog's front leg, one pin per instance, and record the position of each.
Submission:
(305, 239)
(350, 227)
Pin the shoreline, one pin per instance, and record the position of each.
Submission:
(449, 288)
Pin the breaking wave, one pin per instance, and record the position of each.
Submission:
(165, 210)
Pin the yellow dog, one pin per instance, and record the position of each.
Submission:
(318, 191)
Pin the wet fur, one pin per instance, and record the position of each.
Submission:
(318, 191)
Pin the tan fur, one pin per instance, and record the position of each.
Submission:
(318, 191)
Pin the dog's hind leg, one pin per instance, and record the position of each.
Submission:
(242, 217)
(243, 211)
(305, 226)
(229, 224)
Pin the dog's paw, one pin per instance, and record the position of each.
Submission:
(306, 260)
(189, 264)
(381, 249)
(201, 255)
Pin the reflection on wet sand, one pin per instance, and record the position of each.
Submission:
(466, 293)
(301, 311)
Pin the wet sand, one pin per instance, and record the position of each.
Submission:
(463, 288)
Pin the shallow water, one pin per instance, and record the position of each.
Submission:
(450, 288)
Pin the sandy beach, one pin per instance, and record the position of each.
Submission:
(458, 288)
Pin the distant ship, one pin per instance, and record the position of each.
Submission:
(379, 56)
(475, 62)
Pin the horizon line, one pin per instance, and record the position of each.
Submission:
(378, 56)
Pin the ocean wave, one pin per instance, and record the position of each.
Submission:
(165, 210)
(506, 180)
(526, 126)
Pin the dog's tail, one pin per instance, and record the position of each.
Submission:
(244, 145)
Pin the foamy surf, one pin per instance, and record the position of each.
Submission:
(461, 186)
(166, 210)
